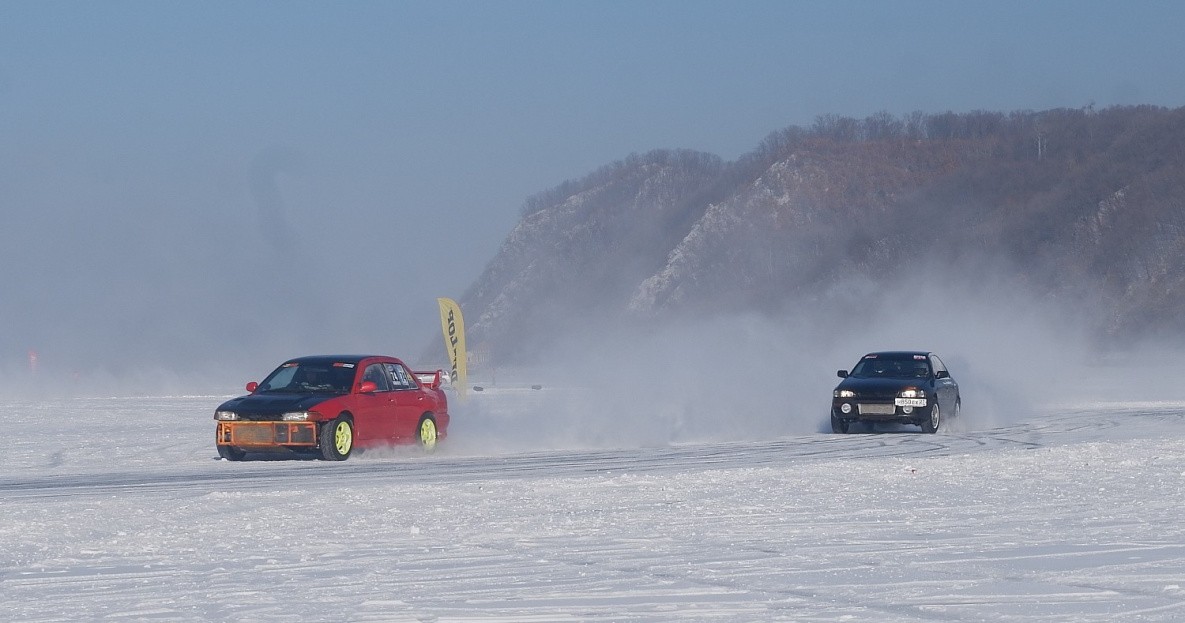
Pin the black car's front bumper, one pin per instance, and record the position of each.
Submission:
(871, 410)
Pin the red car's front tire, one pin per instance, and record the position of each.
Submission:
(231, 453)
(337, 439)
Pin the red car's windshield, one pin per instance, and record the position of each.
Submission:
(309, 378)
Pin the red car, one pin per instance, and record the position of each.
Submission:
(328, 405)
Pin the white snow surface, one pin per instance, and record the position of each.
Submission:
(117, 509)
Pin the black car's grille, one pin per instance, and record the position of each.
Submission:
(876, 395)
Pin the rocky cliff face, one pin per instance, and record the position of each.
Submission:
(580, 253)
(1077, 204)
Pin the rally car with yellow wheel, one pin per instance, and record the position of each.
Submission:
(330, 405)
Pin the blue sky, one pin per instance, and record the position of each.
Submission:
(150, 151)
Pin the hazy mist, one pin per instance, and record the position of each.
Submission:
(756, 376)
(192, 192)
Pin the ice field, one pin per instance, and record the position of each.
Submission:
(117, 509)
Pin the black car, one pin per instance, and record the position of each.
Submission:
(905, 387)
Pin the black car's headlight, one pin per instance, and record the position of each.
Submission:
(912, 392)
(295, 416)
(843, 393)
(225, 416)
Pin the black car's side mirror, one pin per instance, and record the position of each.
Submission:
(942, 374)
(843, 374)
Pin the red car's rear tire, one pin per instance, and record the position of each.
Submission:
(426, 434)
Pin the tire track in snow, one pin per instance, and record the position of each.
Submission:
(274, 474)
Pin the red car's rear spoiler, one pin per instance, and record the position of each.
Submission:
(431, 379)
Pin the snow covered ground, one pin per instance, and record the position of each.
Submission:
(118, 509)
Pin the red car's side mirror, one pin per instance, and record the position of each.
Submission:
(252, 386)
(367, 387)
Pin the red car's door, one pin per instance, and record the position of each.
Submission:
(374, 412)
(410, 401)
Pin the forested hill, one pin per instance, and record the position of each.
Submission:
(1071, 205)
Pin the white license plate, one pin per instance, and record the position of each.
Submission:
(910, 402)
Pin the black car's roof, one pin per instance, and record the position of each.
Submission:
(894, 354)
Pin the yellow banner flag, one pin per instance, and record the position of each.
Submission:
(453, 326)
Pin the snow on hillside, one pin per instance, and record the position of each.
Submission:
(118, 509)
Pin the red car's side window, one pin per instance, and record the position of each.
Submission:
(400, 376)
(375, 374)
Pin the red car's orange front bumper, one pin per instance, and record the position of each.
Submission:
(266, 434)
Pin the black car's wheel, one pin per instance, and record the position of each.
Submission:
(231, 453)
(337, 439)
(426, 433)
(838, 426)
(931, 424)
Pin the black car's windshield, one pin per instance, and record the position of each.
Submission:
(897, 367)
(310, 378)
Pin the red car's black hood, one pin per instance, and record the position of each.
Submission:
(273, 403)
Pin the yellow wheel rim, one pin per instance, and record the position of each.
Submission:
(428, 434)
(343, 438)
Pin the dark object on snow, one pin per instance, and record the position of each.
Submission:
(904, 387)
